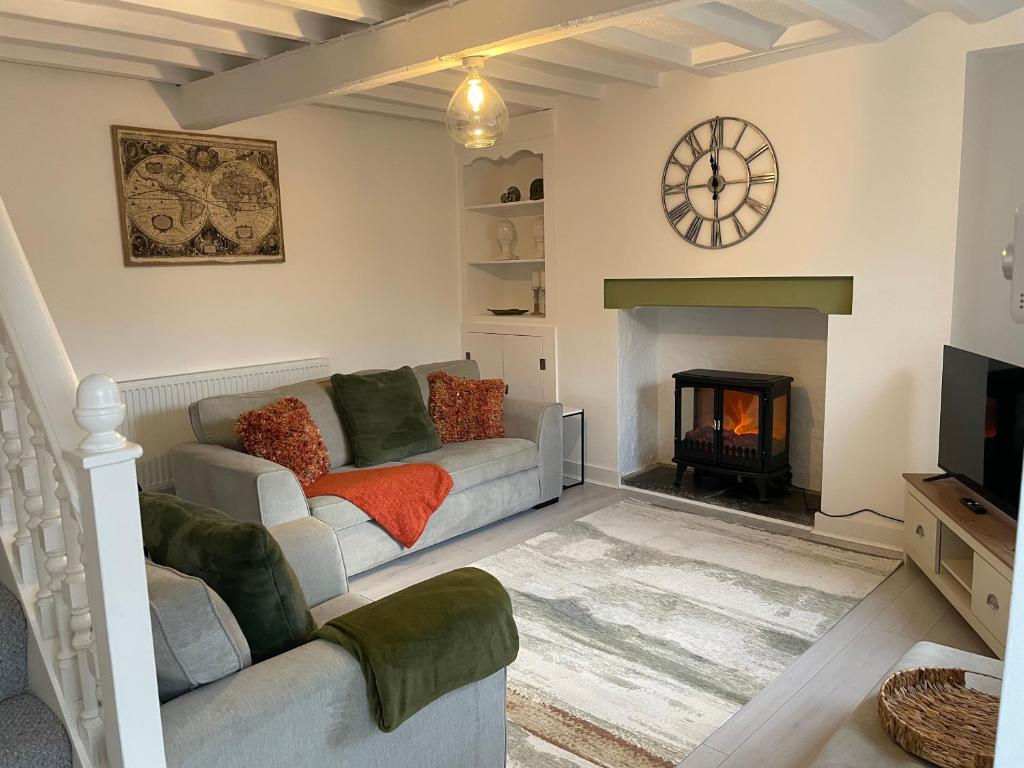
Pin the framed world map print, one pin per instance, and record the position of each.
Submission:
(193, 198)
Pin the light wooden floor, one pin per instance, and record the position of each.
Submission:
(787, 723)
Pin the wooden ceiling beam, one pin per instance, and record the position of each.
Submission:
(568, 53)
(145, 26)
(730, 24)
(632, 43)
(799, 40)
(407, 94)
(499, 69)
(446, 82)
(393, 51)
(87, 62)
(973, 11)
(237, 14)
(363, 11)
(867, 19)
(363, 103)
(112, 45)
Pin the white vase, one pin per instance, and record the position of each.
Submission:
(508, 236)
(538, 237)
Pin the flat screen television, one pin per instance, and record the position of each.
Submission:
(981, 427)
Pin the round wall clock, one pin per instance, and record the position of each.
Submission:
(719, 182)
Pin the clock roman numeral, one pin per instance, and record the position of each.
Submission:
(717, 133)
(740, 231)
(678, 213)
(739, 138)
(677, 162)
(760, 208)
(674, 189)
(693, 231)
(757, 152)
(694, 144)
(764, 178)
(716, 234)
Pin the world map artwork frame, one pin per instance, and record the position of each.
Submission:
(197, 198)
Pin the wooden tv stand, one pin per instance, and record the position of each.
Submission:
(969, 557)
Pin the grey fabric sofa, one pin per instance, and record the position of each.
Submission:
(492, 478)
(308, 708)
(861, 740)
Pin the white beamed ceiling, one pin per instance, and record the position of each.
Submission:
(209, 46)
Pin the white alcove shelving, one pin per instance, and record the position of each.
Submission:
(490, 282)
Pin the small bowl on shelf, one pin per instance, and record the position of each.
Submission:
(505, 312)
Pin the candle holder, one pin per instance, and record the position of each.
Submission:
(538, 303)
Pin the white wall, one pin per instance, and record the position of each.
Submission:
(868, 141)
(370, 237)
(991, 187)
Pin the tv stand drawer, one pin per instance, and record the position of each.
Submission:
(990, 598)
(921, 533)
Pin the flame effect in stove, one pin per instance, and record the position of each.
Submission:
(740, 412)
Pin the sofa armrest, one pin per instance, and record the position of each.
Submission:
(311, 548)
(540, 422)
(308, 708)
(246, 487)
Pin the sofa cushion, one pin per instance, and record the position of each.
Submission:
(196, 638)
(213, 418)
(466, 369)
(481, 461)
(337, 606)
(284, 433)
(466, 409)
(336, 512)
(385, 416)
(240, 561)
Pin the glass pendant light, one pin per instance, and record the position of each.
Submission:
(477, 116)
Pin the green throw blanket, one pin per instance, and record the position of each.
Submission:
(418, 644)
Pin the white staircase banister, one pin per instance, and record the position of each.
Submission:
(46, 370)
(109, 507)
(69, 515)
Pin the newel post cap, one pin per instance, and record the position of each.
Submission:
(100, 412)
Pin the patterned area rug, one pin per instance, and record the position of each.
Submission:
(643, 629)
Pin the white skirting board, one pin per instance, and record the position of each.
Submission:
(157, 408)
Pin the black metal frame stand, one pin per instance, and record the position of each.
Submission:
(583, 447)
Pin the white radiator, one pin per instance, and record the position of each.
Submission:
(157, 417)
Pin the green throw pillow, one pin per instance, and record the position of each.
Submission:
(384, 415)
(239, 561)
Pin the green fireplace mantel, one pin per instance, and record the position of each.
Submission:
(828, 295)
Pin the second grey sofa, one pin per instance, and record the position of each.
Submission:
(492, 478)
(308, 707)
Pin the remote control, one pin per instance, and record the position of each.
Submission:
(975, 506)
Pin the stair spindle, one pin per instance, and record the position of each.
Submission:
(54, 544)
(8, 429)
(36, 503)
(16, 445)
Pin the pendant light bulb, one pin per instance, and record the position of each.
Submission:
(477, 116)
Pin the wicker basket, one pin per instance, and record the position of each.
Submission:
(932, 714)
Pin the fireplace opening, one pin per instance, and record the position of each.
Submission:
(735, 424)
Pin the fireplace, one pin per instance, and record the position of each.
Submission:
(733, 424)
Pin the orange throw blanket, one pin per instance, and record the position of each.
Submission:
(401, 498)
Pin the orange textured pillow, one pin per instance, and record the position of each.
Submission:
(466, 409)
(285, 433)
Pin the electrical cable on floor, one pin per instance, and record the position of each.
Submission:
(819, 511)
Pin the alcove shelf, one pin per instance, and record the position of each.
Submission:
(519, 348)
(504, 262)
(510, 210)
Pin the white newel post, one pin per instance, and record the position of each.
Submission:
(112, 550)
